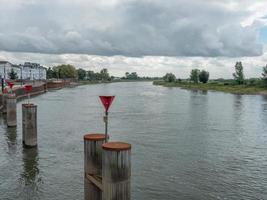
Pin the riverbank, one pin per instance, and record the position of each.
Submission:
(234, 89)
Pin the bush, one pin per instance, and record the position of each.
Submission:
(169, 77)
(203, 76)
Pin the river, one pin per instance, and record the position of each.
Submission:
(188, 145)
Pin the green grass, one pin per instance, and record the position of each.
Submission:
(236, 89)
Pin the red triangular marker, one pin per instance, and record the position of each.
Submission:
(106, 101)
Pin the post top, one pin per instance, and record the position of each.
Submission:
(94, 136)
(116, 146)
(28, 105)
(11, 96)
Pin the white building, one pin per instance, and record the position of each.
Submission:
(5, 69)
(27, 71)
(33, 71)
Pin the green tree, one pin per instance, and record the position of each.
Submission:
(13, 75)
(50, 73)
(264, 75)
(55, 72)
(81, 74)
(65, 71)
(91, 75)
(127, 74)
(194, 75)
(104, 74)
(239, 74)
(169, 77)
(203, 76)
(131, 76)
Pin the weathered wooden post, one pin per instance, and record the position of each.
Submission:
(29, 121)
(93, 166)
(116, 171)
(4, 97)
(29, 125)
(11, 107)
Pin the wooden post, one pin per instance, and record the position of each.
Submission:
(116, 171)
(4, 97)
(29, 125)
(93, 166)
(11, 108)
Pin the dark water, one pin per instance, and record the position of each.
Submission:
(186, 144)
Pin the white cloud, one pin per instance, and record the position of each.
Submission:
(146, 66)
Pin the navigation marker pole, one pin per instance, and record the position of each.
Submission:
(28, 89)
(106, 101)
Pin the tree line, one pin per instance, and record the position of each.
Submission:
(69, 71)
(202, 76)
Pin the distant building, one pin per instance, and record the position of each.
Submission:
(26, 71)
(5, 69)
(33, 71)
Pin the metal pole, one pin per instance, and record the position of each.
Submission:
(28, 97)
(4, 71)
(2, 84)
(106, 126)
(21, 76)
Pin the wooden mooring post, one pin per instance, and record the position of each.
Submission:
(93, 166)
(4, 97)
(116, 171)
(29, 125)
(11, 109)
(107, 169)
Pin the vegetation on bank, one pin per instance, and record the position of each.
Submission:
(199, 80)
(90, 76)
(216, 86)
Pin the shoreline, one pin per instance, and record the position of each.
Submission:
(232, 89)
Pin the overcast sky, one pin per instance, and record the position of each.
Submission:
(151, 37)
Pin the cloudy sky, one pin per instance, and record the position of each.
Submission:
(151, 37)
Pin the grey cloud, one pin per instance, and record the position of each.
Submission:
(129, 28)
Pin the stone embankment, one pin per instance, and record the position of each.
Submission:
(38, 88)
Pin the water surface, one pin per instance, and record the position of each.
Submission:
(186, 144)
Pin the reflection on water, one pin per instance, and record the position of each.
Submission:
(264, 97)
(2, 119)
(193, 91)
(29, 179)
(204, 92)
(237, 101)
(11, 139)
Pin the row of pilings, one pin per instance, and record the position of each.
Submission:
(107, 165)
(29, 118)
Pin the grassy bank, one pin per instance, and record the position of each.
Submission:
(236, 89)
